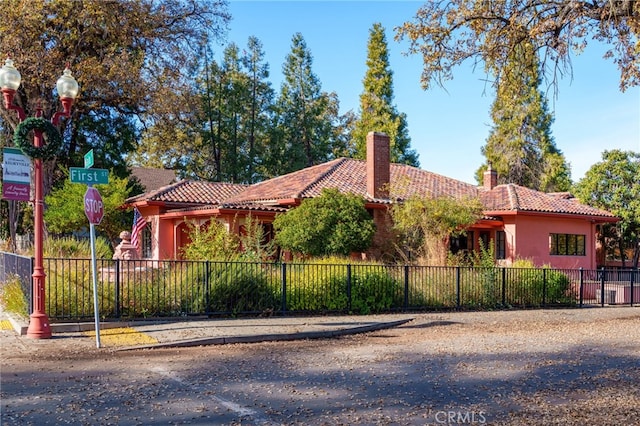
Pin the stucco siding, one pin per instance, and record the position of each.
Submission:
(532, 240)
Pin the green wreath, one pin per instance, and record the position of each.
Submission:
(45, 152)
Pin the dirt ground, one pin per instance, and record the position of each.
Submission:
(538, 367)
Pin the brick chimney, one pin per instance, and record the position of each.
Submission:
(378, 165)
(490, 178)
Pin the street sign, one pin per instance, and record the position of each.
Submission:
(16, 175)
(93, 207)
(88, 159)
(89, 176)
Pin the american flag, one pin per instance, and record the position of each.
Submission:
(138, 225)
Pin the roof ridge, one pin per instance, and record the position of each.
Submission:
(514, 200)
(321, 176)
(166, 188)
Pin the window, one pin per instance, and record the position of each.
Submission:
(501, 245)
(145, 241)
(461, 243)
(567, 245)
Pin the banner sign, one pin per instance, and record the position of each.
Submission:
(16, 175)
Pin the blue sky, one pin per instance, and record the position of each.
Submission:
(447, 126)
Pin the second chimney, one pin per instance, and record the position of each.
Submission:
(378, 165)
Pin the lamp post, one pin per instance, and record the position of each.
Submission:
(67, 88)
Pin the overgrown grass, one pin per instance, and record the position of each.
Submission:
(12, 298)
(337, 284)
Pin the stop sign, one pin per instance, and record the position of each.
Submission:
(93, 206)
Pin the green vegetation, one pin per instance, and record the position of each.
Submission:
(426, 224)
(377, 112)
(12, 298)
(331, 224)
(613, 184)
(337, 284)
(210, 241)
(332, 284)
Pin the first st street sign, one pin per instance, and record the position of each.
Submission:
(89, 176)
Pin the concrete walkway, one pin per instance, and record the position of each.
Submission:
(122, 336)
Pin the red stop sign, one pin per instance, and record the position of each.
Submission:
(93, 206)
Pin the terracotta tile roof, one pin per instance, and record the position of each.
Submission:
(152, 179)
(191, 192)
(348, 175)
(247, 206)
(511, 197)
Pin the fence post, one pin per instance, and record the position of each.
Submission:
(504, 286)
(633, 275)
(602, 287)
(283, 280)
(458, 296)
(406, 287)
(581, 289)
(31, 267)
(544, 287)
(207, 287)
(117, 300)
(349, 288)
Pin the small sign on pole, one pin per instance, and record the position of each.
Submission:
(16, 175)
(94, 209)
(93, 206)
(88, 159)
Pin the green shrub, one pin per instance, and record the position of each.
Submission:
(12, 298)
(322, 285)
(531, 286)
(374, 291)
(242, 287)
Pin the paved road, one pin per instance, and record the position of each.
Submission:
(522, 367)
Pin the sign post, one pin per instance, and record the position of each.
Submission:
(94, 209)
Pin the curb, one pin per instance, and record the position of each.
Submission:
(257, 338)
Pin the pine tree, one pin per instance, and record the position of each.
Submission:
(520, 146)
(260, 103)
(377, 112)
(303, 129)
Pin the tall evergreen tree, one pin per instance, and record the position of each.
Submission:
(231, 122)
(260, 102)
(303, 128)
(520, 146)
(377, 112)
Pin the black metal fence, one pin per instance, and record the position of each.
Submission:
(140, 288)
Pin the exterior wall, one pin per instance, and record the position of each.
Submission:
(531, 236)
(383, 238)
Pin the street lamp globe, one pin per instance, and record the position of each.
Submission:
(9, 76)
(67, 85)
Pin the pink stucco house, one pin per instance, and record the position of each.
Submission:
(550, 229)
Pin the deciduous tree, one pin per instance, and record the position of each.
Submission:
(66, 215)
(426, 224)
(613, 184)
(448, 33)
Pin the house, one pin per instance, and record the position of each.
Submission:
(550, 229)
(152, 178)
